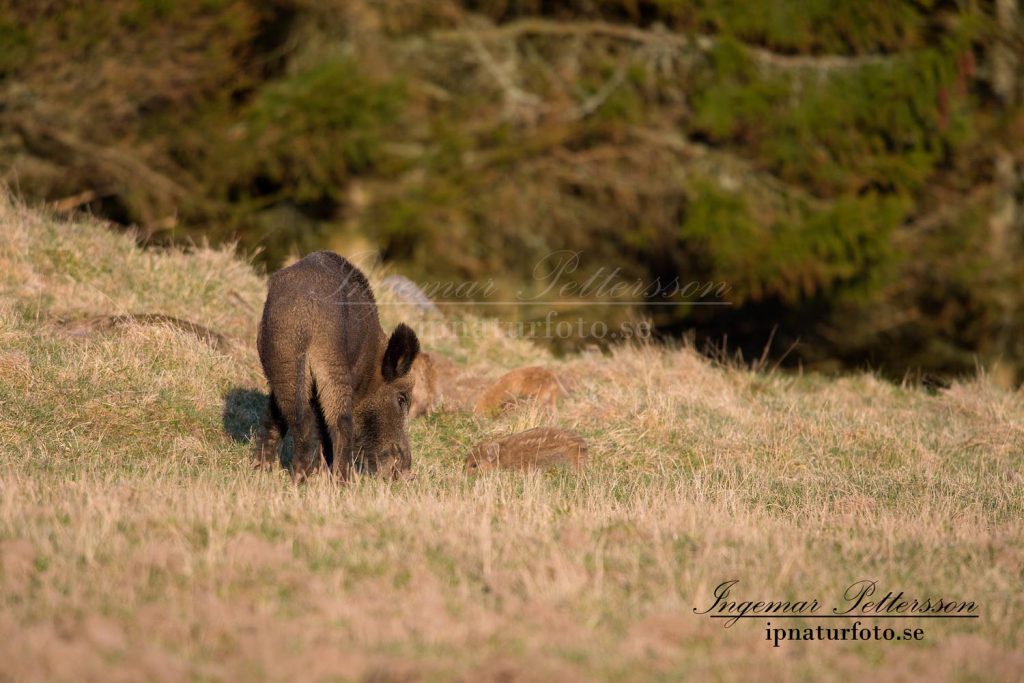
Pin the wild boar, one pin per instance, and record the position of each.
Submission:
(540, 448)
(533, 382)
(425, 392)
(335, 377)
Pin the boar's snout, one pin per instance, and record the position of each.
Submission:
(395, 462)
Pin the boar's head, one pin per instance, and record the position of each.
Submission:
(380, 420)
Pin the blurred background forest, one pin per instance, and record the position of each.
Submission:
(853, 169)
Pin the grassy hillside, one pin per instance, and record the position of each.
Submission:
(137, 543)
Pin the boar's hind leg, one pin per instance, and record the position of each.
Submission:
(306, 448)
(272, 429)
(304, 423)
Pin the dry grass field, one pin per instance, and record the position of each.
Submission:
(136, 542)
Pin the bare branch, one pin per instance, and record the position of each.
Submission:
(702, 43)
(517, 100)
(594, 102)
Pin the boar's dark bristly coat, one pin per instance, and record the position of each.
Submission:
(335, 377)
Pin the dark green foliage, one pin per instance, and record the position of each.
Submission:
(310, 132)
(879, 126)
(15, 47)
(808, 26)
(841, 249)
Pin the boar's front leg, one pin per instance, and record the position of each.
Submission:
(335, 394)
(341, 446)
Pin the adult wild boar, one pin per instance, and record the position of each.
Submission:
(335, 377)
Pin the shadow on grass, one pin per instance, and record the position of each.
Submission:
(243, 409)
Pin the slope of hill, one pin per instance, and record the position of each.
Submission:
(137, 543)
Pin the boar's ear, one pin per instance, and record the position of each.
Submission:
(403, 346)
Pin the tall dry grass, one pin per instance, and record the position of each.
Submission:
(137, 544)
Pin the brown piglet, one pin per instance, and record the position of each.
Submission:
(533, 382)
(539, 448)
